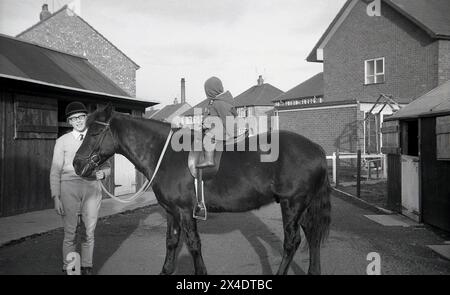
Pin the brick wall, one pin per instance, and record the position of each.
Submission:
(257, 111)
(332, 127)
(68, 33)
(444, 61)
(410, 57)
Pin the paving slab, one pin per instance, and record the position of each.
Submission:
(20, 226)
(392, 220)
(443, 250)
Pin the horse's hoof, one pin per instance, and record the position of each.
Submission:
(165, 273)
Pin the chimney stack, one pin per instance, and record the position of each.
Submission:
(183, 91)
(44, 13)
(260, 80)
(175, 101)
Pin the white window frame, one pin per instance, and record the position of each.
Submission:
(375, 73)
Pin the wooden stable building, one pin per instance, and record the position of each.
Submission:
(36, 84)
(416, 140)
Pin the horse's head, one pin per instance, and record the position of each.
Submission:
(98, 145)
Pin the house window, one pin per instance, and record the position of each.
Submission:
(374, 71)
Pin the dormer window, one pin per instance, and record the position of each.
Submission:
(374, 71)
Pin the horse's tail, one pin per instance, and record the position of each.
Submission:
(317, 217)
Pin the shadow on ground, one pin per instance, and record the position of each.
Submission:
(255, 231)
(42, 255)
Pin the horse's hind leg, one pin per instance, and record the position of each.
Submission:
(189, 226)
(172, 240)
(314, 249)
(291, 210)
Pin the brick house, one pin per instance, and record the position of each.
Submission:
(403, 53)
(303, 110)
(66, 31)
(307, 92)
(257, 102)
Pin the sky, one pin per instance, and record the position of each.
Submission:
(235, 40)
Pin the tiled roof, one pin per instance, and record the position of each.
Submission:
(258, 95)
(201, 105)
(309, 88)
(169, 111)
(433, 16)
(149, 114)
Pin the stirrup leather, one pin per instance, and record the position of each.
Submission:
(199, 211)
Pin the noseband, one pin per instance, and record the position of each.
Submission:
(94, 158)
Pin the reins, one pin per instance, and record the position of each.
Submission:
(147, 183)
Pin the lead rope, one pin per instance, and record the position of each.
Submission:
(147, 183)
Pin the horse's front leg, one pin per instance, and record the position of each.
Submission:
(189, 227)
(172, 240)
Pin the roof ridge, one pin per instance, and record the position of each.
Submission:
(423, 25)
(42, 46)
(83, 20)
(41, 21)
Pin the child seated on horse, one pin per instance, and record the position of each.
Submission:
(221, 105)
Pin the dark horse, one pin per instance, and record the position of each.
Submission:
(297, 180)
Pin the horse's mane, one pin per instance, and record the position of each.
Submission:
(93, 117)
(99, 115)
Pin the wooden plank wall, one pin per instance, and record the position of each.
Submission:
(2, 145)
(435, 185)
(394, 182)
(26, 165)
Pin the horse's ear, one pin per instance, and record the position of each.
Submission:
(108, 111)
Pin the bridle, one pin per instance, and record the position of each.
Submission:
(93, 157)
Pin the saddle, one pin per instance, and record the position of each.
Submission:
(196, 157)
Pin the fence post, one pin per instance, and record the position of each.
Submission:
(384, 165)
(334, 167)
(358, 174)
(337, 169)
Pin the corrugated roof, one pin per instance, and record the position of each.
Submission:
(309, 88)
(434, 102)
(433, 16)
(30, 61)
(258, 95)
